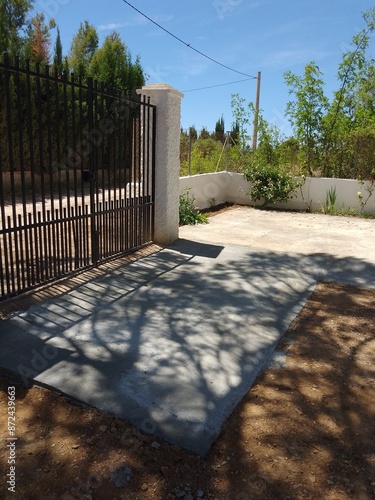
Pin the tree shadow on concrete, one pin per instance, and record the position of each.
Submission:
(173, 343)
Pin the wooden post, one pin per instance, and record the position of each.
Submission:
(256, 115)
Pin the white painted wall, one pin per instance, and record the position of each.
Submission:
(315, 190)
(232, 187)
(207, 189)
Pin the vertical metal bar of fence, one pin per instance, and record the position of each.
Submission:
(101, 176)
(110, 184)
(53, 247)
(38, 248)
(146, 174)
(113, 190)
(11, 254)
(118, 122)
(132, 185)
(153, 164)
(3, 247)
(93, 142)
(119, 141)
(50, 232)
(85, 242)
(149, 170)
(11, 248)
(142, 170)
(41, 162)
(66, 166)
(138, 158)
(19, 173)
(124, 127)
(122, 140)
(105, 111)
(19, 257)
(94, 235)
(60, 256)
(116, 182)
(73, 160)
(124, 122)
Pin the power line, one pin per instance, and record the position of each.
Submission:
(187, 44)
(220, 85)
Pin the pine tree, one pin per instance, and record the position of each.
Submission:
(58, 55)
(204, 134)
(84, 45)
(193, 133)
(13, 14)
(220, 130)
(112, 65)
(39, 40)
(235, 132)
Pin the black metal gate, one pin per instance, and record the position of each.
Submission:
(76, 175)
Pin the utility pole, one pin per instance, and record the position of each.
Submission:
(256, 115)
(228, 140)
(189, 162)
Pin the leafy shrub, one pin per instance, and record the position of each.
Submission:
(330, 203)
(205, 155)
(189, 214)
(269, 184)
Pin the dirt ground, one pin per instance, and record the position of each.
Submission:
(306, 429)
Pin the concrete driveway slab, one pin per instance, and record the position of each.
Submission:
(288, 232)
(173, 341)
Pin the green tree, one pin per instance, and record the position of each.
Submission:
(306, 113)
(58, 61)
(137, 76)
(220, 130)
(112, 64)
(351, 116)
(184, 146)
(84, 45)
(193, 133)
(204, 134)
(288, 152)
(242, 121)
(269, 143)
(39, 39)
(353, 73)
(205, 156)
(235, 132)
(13, 15)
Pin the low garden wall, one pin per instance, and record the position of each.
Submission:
(213, 189)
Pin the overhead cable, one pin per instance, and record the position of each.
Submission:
(219, 85)
(187, 44)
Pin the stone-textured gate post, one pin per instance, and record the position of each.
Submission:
(167, 168)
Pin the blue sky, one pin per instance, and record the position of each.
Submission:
(270, 36)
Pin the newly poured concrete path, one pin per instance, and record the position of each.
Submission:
(173, 341)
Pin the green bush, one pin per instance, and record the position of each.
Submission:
(205, 155)
(189, 214)
(269, 184)
(329, 206)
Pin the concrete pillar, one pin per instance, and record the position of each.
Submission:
(167, 169)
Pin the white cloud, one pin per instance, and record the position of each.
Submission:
(110, 26)
(163, 18)
(135, 21)
(291, 57)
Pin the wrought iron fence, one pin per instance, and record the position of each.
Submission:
(76, 174)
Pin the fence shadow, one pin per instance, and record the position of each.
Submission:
(174, 341)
